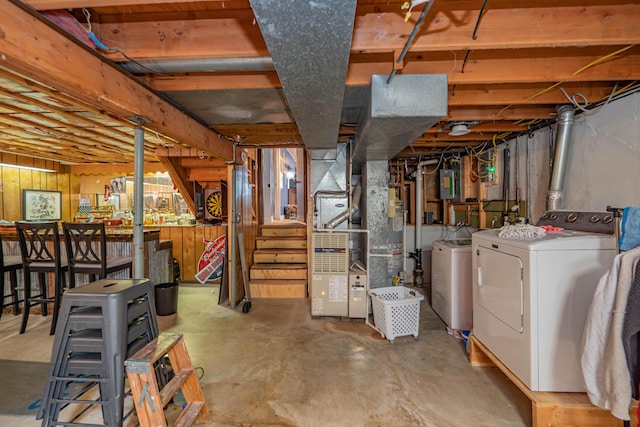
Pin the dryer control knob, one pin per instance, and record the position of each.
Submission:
(594, 219)
(572, 217)
(553, 217)
(607, 219)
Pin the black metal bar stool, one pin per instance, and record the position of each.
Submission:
(9, 264)
(41, 254)
(86, 245)
(100, 326)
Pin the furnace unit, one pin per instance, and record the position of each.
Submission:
(330, 274)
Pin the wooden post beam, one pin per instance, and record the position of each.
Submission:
(36, 49)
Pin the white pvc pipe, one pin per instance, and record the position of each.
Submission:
(404, 240)
(417, 174)
(419, 208)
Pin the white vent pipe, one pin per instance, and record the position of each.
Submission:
(417, 174)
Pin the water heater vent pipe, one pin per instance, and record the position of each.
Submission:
(561, 153)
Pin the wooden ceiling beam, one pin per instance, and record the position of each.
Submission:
(195, 162)
(180, 178)
(259, 129)
(75, 4)
(508, 70)
(33, 48)
(220, 81)
(487, 71)
(381, 28)
(112, 169)
(235, 33)
(443, 136)
(72, 116)
(488, 126)
(211, 174)
(89, 135)
(450, 24)
(496, 113)
(464, 95)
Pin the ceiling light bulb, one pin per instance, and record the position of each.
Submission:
(459, 130)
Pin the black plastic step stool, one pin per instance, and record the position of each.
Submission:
(100, 325)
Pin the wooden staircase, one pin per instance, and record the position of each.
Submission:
(279, 268)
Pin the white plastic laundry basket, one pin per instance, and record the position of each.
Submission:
(396, 311)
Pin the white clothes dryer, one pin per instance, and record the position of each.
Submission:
(531, 297)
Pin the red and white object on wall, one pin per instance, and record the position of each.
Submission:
(211, 261)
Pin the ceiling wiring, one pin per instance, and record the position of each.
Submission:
(106, 48)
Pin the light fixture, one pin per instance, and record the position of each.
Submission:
(459, 129)
(32, 168)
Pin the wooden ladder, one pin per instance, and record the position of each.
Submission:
(148, 400)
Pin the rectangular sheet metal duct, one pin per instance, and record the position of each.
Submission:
(397, 113)
(309, 42)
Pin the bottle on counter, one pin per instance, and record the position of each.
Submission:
(127, 218)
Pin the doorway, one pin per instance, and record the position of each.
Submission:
(283, 180)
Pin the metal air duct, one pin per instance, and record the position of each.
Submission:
(354, 207)
(199, 65)
(310, 43)
(563, 135)
(397, 113)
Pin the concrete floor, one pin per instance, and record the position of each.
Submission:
(276, 366)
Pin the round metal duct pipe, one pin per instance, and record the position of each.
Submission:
(199, 65)
(563, 135)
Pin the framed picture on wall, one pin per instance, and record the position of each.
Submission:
(41, 205)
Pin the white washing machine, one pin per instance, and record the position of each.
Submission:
(531, 297)
(451, 282)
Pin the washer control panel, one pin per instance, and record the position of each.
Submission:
(592, 222)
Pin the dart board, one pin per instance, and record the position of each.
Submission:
(214, 204)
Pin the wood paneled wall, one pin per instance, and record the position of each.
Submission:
(14, 180)
(188, 245)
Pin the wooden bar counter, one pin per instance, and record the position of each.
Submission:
(158, 254)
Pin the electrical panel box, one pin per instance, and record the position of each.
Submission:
(449, 190)
(488, 165)
(357, 295)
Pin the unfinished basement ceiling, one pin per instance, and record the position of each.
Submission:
(506, 67)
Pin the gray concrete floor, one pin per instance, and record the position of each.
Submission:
(276, 366)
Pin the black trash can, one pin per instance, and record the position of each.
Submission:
(166, 295)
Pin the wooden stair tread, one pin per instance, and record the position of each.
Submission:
(279, 250)
(289, 289)
(282, 230)
(274, 266)
(281, 238)
(277, 282)
(279, 268)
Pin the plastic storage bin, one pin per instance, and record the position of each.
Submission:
(396, 311)
(166, 295)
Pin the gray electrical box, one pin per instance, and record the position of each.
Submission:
(448, 190)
